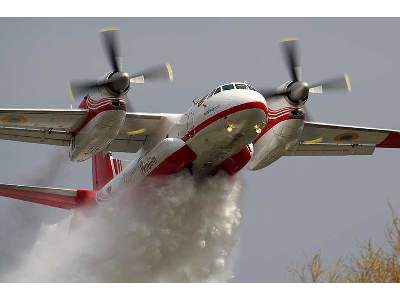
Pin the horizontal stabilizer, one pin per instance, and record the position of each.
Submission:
(55, 197)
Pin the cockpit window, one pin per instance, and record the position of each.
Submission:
(228, 87)
(250, 87)
(217, 90)
(240, 86)
(201, 101)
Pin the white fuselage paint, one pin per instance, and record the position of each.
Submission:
(204, 129)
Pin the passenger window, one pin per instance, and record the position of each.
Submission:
(217, 90)
(241, 86)
(228, 87)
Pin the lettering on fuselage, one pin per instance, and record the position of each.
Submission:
(147, 164)
(128, 176)
(212, 110)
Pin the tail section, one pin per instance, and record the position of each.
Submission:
(104, 168)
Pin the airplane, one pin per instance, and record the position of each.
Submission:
(231, 127)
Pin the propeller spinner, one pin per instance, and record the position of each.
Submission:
(118, 82)
(297, 91)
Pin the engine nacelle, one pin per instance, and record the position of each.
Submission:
(97, 134)
(274, 143)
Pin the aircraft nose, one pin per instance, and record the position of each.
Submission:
(249, 120)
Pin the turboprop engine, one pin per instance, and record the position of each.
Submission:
(285, 109)
(106, 100)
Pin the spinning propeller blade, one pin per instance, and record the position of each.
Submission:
(118, 82)
(111, 49)
(297, 91)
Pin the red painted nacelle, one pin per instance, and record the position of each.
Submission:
(236, 162)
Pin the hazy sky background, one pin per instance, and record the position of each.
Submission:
(292, 208)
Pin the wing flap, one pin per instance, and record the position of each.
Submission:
(330, 150)
(54, 197)
(38, 136)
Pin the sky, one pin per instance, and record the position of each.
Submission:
(291, 209)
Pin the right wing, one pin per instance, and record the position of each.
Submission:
(55, 127)
(43, 126)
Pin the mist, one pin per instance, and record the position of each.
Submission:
(23, 227)
(169, 229)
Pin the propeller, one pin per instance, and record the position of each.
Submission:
(297, 91)
(118, 82)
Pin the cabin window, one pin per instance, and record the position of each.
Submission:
(250, 87)
(228, 87)
(241, 86)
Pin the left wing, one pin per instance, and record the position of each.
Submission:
(321, 139)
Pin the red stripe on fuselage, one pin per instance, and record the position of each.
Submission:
(222, 114)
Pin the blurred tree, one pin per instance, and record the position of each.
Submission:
(371, 264)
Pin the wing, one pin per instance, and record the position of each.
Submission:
(320, 139)
(54, 127)
(138, 128)
(43, 126)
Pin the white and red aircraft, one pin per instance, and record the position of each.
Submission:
(231, 127)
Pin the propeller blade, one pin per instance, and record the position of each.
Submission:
(110, 42)
(291, 56)
(156, 73)
(77, 88)
(138, 79)
(341, 83)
